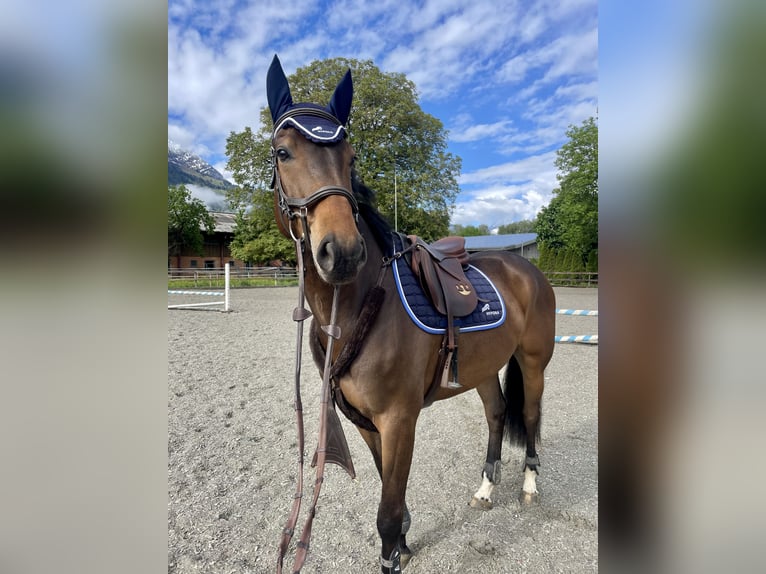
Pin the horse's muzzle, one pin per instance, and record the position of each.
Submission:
(339, 261)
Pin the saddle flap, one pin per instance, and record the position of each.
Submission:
(459, 294)
(425, 270)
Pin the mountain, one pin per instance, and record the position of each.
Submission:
(186, 168)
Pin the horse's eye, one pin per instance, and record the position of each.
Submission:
(282, 154)
(353, 161)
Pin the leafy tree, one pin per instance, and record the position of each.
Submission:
(469, 230)
(523, 226)
(401, 151)
(592, 265)
(549, 225)
(256, 238)
(570, 220)
(187, 219)
(544, 262)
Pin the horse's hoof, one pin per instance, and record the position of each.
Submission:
(481, 503)
(529, 498)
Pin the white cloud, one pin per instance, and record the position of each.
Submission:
(221, 167)
(463, 57)
(538, 168)
(505, 193)
(500, 205)
(182, 136)
(205, 194)
(473, 132)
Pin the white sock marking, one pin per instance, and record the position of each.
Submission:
(530, 484)
(485, 490)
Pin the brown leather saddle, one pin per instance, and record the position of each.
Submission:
(439, 267)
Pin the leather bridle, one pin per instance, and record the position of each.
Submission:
(291, 208)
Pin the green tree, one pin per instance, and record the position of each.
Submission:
(188, 218)
(256, 236)
(544, 262)
(592, 265)
(401, 150)
(570, 220)
(469, 230)
(523, 226)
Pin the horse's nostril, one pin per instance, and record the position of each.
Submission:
(326, 252)
(339, 261)
(361, 249)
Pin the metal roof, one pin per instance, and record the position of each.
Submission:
(226, 222)
(505, 242)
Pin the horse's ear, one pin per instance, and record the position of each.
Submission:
(277, 90)
(340, 103)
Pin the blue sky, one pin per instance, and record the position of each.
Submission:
(506, 78)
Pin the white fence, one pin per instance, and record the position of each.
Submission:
(224, 294)
(211, 277)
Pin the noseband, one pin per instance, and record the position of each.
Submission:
(293, 208)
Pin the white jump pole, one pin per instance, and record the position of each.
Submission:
(226, 288)
(224, 294)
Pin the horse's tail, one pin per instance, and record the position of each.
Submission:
(513, 392)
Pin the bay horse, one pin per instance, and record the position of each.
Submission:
(389, 370)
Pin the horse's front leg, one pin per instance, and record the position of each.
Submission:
(373, 442)
(397, 438)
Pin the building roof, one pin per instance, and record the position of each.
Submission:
(224, 222)
(500, 242)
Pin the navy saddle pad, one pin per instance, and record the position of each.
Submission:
(489, 312)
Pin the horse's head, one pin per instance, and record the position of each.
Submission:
(312, 162)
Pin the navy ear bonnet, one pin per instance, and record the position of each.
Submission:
(317, 123)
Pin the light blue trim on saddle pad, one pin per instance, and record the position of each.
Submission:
(489, 312)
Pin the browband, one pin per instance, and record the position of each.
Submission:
(304, 112)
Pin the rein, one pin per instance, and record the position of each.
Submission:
(292, 209)
(331, 445)
(300, 314)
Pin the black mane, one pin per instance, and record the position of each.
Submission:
(380, 228)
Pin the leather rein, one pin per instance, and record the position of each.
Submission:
(292, 209)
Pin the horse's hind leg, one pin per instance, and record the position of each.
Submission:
(534, 382)
(523, 392)
(494, 409)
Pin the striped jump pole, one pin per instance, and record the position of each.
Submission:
(593, 339)
(224, 294)
(576, 339)
(584, 312)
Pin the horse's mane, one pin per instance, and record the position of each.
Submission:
(380, 228)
